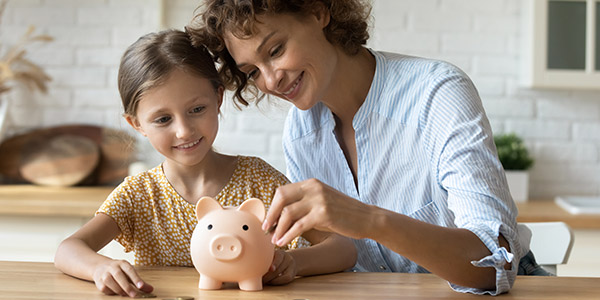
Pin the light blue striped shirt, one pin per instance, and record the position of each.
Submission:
(425, 150)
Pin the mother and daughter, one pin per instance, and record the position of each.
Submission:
(391, 157)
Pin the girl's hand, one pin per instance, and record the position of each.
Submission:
(311, 204)
(283, 269)
(118, 277)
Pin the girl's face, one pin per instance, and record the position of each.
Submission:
(180, 117)
(288, 57)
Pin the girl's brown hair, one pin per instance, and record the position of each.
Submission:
(348, 28)
(148, 61)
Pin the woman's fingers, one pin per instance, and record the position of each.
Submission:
(284, 195)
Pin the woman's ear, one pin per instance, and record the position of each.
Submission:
(133, 121)
(220, 92)
(322, 13)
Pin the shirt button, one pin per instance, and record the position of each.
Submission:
(382, 267)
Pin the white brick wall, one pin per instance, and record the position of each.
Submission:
(561, 127)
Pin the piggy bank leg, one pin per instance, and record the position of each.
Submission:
(208, 283)
(252, 284)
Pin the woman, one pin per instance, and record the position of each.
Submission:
(393, 151)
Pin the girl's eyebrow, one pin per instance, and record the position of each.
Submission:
(259, 48)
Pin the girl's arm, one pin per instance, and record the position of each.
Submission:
(77, 256)
(329, 253)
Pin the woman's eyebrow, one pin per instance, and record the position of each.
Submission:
(259, 48)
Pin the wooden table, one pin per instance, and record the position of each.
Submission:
(21, 280)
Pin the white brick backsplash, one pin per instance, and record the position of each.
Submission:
(566, 172)
(560, 127)
(43, 16)
(96, 98)
(573, 109)
(553, 152)
(433, 21)
(511, 107)
(98, 56)
(110, 16)
(494, 65)
(60, 116)
(589, 131)
(496, 24)
(79, 36)
(548, 190)
(410, 43)
(534, 129)
(473, 43)
(78, 77)
(242, 143)
(472, 6)
(490, 86)
(53, 55)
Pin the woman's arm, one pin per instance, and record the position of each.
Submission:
(447, 252)
(77, 256)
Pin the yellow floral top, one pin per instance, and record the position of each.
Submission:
(157, 223)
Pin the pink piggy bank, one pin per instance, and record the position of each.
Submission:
(228, 244)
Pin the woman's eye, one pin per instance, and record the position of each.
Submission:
(275, 51)
(252, 73)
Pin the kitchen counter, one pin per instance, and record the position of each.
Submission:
(32, 200)
(548, 211)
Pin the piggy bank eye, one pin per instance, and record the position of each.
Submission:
(209, 226)
(245, 227)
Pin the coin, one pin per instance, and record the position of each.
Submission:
(184, 298)
(145, 295)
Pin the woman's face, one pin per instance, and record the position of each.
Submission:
(288, 57)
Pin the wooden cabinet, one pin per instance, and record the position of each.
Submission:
(561, 44)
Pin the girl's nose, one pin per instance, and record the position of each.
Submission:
(184, 129)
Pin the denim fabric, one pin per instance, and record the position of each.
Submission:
(528, 266)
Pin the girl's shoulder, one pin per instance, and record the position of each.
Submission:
(256, 167)
(146, 182)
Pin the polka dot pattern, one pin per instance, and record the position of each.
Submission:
(157, 223)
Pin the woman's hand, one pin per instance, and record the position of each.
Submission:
(118, 277)
(283, 269)
(299, 207)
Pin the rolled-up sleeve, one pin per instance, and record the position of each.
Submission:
(461, 144)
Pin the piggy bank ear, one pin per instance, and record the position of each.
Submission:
(255, 207)
(206, 205)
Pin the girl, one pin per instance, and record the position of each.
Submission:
(394, 151)
(171, 94)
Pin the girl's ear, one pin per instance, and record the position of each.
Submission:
(133, 121)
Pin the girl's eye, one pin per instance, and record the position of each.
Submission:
(198, 109)
(162, 120)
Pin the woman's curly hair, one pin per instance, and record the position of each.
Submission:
(347, 28)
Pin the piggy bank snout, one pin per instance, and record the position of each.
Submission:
(225, 247)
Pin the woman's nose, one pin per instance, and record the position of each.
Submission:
(273, 78)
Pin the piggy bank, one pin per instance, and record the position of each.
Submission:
(228, 244)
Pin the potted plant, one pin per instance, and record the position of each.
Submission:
(516, 162)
